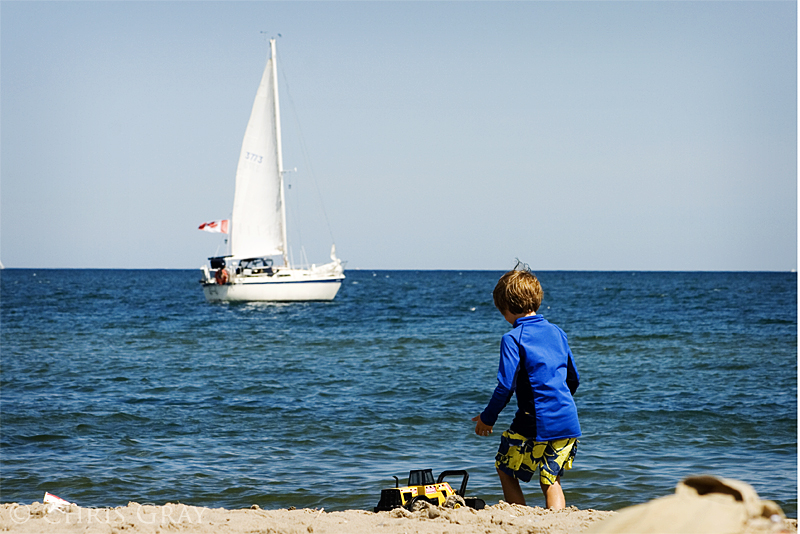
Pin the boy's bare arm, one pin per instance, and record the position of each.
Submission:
(481, 428)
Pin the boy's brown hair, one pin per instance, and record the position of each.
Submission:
(518, 291)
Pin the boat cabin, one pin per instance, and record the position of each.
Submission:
(255, 266)
(245, 267)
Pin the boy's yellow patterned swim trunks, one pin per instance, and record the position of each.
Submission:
(519, 457)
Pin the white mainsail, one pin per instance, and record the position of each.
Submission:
(258, 220)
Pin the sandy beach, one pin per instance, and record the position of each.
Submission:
(136, 518)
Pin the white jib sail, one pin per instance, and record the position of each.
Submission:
(257, 219)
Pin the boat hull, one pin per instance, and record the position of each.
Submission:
(272, 290)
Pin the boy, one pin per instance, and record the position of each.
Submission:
(536, 362)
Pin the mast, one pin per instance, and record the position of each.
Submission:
(280, 151)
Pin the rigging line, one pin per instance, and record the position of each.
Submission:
(305, 152)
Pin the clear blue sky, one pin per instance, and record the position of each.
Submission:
(441, 135)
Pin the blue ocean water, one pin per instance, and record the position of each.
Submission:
(123, 385)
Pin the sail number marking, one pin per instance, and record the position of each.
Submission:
(249, 156)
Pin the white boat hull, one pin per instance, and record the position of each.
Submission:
(297, 286)
(272, 291)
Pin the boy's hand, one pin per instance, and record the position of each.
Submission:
(481, 428)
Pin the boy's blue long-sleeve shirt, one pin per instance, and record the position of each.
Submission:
(536, 363)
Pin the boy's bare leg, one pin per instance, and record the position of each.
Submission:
(553, 495)
(512, 493)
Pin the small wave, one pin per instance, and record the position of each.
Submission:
(41, 438)
(123, 417)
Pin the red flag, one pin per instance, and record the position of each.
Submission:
(218, 227)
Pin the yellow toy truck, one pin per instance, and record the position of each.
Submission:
(422, 488)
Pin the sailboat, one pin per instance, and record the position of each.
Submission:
(257, 227)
